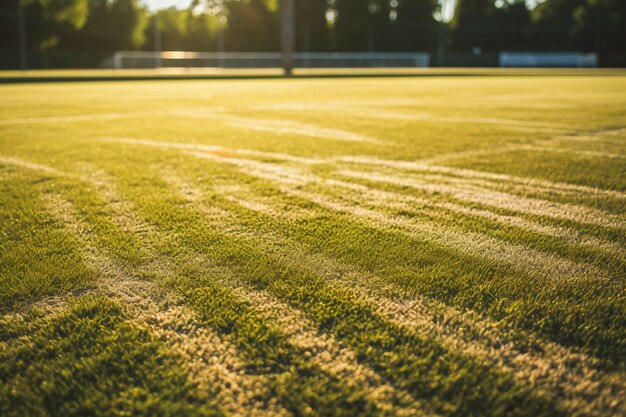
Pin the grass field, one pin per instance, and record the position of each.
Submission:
(441, 246)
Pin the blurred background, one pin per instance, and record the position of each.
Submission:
(88, 33)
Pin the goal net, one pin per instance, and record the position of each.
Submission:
(182, 59)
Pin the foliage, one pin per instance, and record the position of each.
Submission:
(112, 25)
(99, 27)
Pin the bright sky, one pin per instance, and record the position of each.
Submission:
(164, 4)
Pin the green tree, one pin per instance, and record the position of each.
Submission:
(472, 25)
(173, 27)
(587, 25)
(352, 26)
(112, 25)
(202, 32)
(554, 25)
(253, 25)
(414, 27)
(48, 19)
(490, 25)
(600, 25)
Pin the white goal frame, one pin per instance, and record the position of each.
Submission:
(183, 59)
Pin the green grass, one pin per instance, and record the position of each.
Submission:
(372, 246)
(90, 360)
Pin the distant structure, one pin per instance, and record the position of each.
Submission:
(548, 59)
(189, 59)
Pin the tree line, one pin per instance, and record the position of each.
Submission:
(99, 27)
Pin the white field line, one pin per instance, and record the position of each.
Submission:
(572, 379)
(320, 348)
(287, 127)
(571, 235)
(508, 123)
(472, 153)
(537, 146)
(368, 112)
(212, 361)
(473, 174)
(529, 260)
(581, 138)
(543, 208)
(75, 118)
(386, 199)
(581, 152)
(510, 188)
(97, 116)
(216, 149)
(480, 178)
(282, 127)
(28, 165)
(238, 195)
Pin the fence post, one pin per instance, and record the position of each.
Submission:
(287, 31)
(22, 33)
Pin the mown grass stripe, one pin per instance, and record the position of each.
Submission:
(563, 374)
(321, 348)
(577, 333)
(474, 174)
(168, 320)
(588, 306)
(537, 207)
(571, 235)
(352, 321)
(599, 257)
(554, 238)
(356, 378)
(531, 261)
(368, 112)
(458, 175)
(89, 359)
(37, 261)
